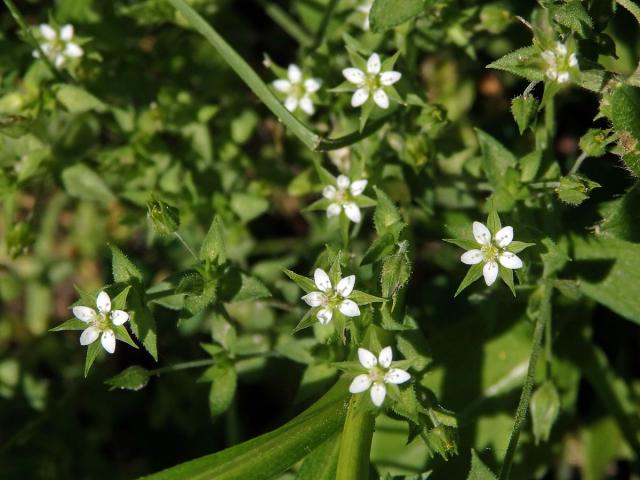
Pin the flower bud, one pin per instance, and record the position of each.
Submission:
(164, 218)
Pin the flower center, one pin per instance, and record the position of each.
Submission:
(490, 252)
(372, 82)
(102, 322)
(376, 374)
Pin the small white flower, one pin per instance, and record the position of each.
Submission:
(342, 197)
(58, 46)
(100, 322)
(559, 63)
(491, 252)
(379, 373)
(330, 299)
(366, 9)
(372, 83)
(298, 90)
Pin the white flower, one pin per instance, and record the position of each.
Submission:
(342, 197)
(378, 374)
(559, 64)
(491, 252)
(58, 46)
(371, 83)
(366, 9)
(298, 90)
(100, 322)
(329, 298)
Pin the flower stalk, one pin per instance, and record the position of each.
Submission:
(355, 443)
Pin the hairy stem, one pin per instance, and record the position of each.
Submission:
(355, 443)
(576, 166)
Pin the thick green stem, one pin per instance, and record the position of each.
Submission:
(355, 443)
(525, 397)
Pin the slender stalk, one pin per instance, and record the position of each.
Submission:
(576, 166)
(324, 23)
(544, 185)
(183, 366)
(355, 443)
(525, 397)
(529, 89)
(632, 7)
(284, 21)
(186, 245)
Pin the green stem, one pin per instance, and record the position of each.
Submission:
(355, 443)
(324, 23)
(529, 89)
(525, 397)
(186, 245)
(576, 166)
(632, 7)
(183, 366)
(284, 21)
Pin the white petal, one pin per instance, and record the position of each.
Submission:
(359, 97)
(108, 341)
(349, 308)
(471, 257)
(353, 212)
(490, 272)
(510, 260)
(389, 78)
(119, 317)
(36, 53)
(282, 85)
(291, 103)
(385, 357)
(324, 316)
(358, 187)
(294, 73)
(573, 60)
(73, 50)
(360, 383)
(354, 75)
(549, 57)
(561, 48)
(103, 302)
(89, 335)
(85, 314)
(481, 233)
(381, 98)
(563, 77)
(343, 182)
(59, 60)
(66, 32)
(329, 192)
(312, 85)
(333, 210)
(367, 359)
(504, 236)
(373, 64)
(378, 392)
(322, 280)
(552, 73)
(48, 32)
(315, 299)
(396, 376)
(345, 286)
(307, 105)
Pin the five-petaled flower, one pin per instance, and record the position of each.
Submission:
(342, 197)
(329, 299)
(58, 46)
(100, 322)
(372, 83)
(559, 63)
(492, 251)
(379, 373)
(298, 90)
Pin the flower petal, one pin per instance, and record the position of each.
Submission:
(73, 50)
(59, 60)
(85, 314)
(345, 286)
(573, 60)
(66, 32)
(510, 260)
(329, 192)
(367, 359)
(282, 85)
(374, 64)
(343, 182)
(89, 335)
(504, 236)
(389, 78)
(354, 75)
(48, 32)
(396, 376)
(490, 272)
(312, 85)
(563, 77)
(315, 299)
(108, 341)
(358, 187)
(378, 392)
(381, 98)
(549, 57)
(472, 257)
(103, 302)
(349, 308)
(119, 317)
(307, 105)
(294, 73)
(324, 315)
(353, 212)
(291, 103)
(359, 97)
(561, 49)
(481, 233)
(333, 210)
(321, 279)
(385, 357)
(360, 383)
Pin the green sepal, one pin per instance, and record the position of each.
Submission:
(308, 319)
(474, 273)
(362, 298)
(463, 243)
(516, 246)
(71, 324)
(92, 352)
(305, 283)
(506, 275)
(122, 334)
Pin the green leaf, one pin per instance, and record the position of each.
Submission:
(306, 284)
(386, 213)
(164, 218)
(132, 378)
(248, 206)
(524, 110)
(621, 218)
(462, 243)
(625, 117)
(574, 16)
(213, 247)
(479, 471)
(517, 247)
(250, 289)
(474, 273)
(496, 159)
(78, 100)
(396, 271)
(544, 406)
(307, 321)
(575, 189)
(71, 324)
(124, 271)
(362, 298)
(493, 219)
(554, 260)
(386, 14)
(224, 380)
(80, 181)
(523, 62)
(506, 275)
(380, 248)
(14, 126)
(92, 352)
